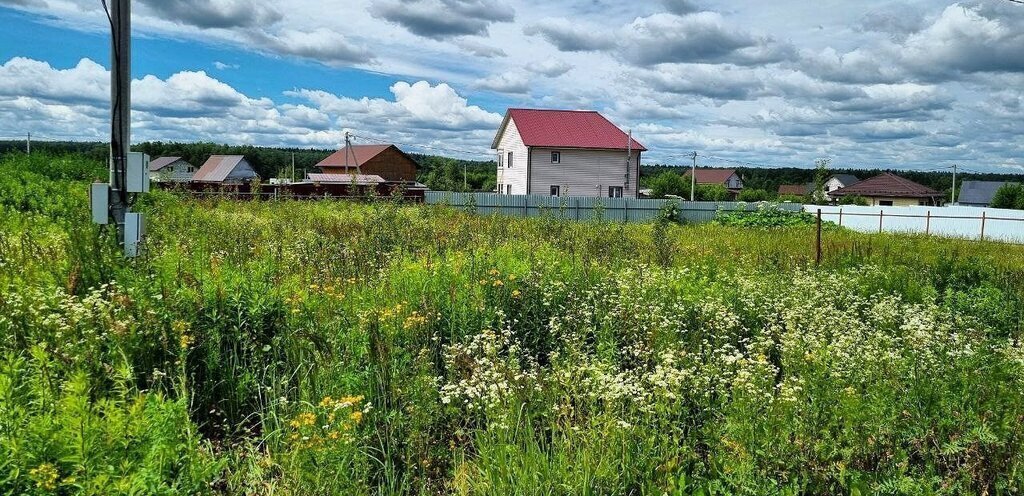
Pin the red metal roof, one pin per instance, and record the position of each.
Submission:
(161, 162)
(217, 168)
(888, 184)
(712, 176)
(357, 155)
(795, 189)
(566, 129)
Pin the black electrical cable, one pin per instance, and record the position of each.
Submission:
(122, 158)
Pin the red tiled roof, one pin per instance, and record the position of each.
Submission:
(712, 176)
(346, 178)
(217, 168)
(357, 155)
(566, 129)
(887, 184)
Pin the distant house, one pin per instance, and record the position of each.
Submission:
(839, 181)
(170, 169)
(385, 161)
(225, 169)
(979, 193)
(728, 178)
(796, 189)
(357, 179)
(888, 189)
(565, 153)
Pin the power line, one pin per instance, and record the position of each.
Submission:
(427, 147)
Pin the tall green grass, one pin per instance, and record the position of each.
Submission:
(354, 348)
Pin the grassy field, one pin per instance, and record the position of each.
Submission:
(343, 348)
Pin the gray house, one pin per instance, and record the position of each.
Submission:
(979, 193)
(170, 169)
(225, 169)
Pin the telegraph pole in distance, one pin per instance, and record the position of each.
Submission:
(28, 143)
(952, 193)
(693, 178)
(120, 94)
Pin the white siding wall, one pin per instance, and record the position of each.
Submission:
(178, 171)
(516, 175)
(582, 172)
(734, 182)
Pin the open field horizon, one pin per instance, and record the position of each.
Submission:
(342, 347)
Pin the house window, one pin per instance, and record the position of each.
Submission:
(614, 191)
(885, 203)
(556, 190)
(500, 188)
(509, 161)
(508, 189)
(556, 157)
(501, 159)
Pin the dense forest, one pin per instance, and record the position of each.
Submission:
(451, 174)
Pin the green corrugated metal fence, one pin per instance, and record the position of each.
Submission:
(585, 208)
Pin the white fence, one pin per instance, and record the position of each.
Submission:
(583, 208)
(955, 221)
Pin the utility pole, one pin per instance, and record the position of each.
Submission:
(293, 167)
(465, 178)
(952, 193)
(28, 143)
(120, 94)
(693, 178)
(129, 172)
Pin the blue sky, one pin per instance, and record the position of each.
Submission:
(916, 84)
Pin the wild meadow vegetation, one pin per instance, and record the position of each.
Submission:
(378, 348)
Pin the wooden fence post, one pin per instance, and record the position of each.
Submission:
(983, 226)
(840, 216)
(817, 253)
(928, 223)
(880, 214)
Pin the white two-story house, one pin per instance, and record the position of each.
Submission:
(565, 153)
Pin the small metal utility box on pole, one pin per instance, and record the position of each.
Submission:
(129, 172)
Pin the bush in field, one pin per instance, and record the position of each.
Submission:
(712, 192)
(1009, 196)
(853, 200)
(669, 183)
(754, 195)
(766, 215)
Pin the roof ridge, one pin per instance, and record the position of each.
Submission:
(555, 110)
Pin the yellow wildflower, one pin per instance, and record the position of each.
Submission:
(516, 293)
(46, 476)
(498, 282)
(356, 416)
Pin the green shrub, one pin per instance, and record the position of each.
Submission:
(766, 215)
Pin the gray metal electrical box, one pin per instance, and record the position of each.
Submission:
(134, 230)
(99, 199)
(137, 173)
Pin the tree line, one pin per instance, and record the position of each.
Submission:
(452, 174)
